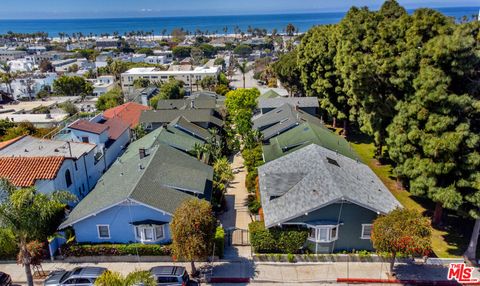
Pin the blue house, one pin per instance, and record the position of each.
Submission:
(135, 199)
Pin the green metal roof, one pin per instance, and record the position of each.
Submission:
(269, 94)
(303, 135)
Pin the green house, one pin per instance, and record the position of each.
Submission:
(302, 135)
(336, 197)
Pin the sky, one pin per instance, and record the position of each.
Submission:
(63, 9)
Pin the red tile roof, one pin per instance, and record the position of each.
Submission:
(8, 142)
(24, 171)
(129, 113)
(116, 127)
(87, 126)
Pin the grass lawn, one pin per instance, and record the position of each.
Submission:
(449, 242)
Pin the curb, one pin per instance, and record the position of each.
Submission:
(331, 281)
(400, 281)
(228, 280)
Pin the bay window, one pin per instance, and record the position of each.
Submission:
(323, 233)
(149, 233)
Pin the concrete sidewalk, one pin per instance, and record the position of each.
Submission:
(286, 273)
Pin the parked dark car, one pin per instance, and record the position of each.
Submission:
(80, 276)
(170, 275)
(5, 279)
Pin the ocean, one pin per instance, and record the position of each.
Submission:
(212, 24)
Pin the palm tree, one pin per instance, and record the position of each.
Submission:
(243, 68)
(198, 150)
(290, 29)
(7, 77)
(109, 278)
(28, 213)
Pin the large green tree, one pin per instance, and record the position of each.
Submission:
(241, 99)
(110, 99)
(369, 45)
(193, 230)
(29, 215)
(319, 73)
(434, 139)
(72, 86)
(288, 72)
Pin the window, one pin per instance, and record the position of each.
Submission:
(85, 139)
(167, 279)
(323, 233)
(366, 231)
(68, 178)
(83, 281)
(146, 233)
(103, 231)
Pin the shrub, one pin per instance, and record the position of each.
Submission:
(261, 239)
(291, 258)
(219, 241)
(286, 240)
(8, 247)
(291, 241)
(79, 250)
(250, 180)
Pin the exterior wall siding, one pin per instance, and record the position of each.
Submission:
(117, 148)
(119, 219)
(352, 217)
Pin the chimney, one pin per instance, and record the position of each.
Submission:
(192, 104)
(142, 152)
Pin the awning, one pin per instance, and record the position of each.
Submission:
(149, 222)
(322, 222)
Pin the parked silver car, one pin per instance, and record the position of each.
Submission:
(80, 276)
(170, 275)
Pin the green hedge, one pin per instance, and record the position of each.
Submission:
(219, 241)
(276, 240)
(79, 250)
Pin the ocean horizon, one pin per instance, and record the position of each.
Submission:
(212, 24)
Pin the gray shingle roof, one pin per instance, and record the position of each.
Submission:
(192, 115)
(295, 101)
(183, 124)
(282, 119)
(313, 177)
(159, 180)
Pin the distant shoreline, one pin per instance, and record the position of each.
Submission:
(207, 24)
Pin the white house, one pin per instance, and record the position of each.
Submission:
(22, 65)
(189, 77)
(51, 165)
(111, 136)
(103, 84)
(29, 86)
(158, 60)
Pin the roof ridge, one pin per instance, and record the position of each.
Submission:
(151, 155)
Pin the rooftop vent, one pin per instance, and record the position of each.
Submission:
(142, 153)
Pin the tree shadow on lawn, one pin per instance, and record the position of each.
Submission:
(455, 229)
